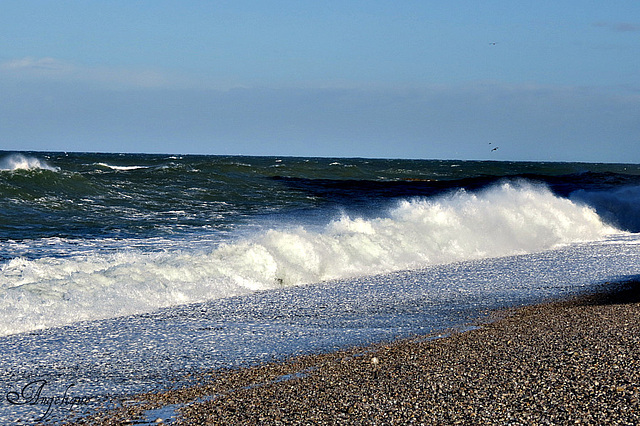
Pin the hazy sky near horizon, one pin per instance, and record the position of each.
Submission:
(545, 80)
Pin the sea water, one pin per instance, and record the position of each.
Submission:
(119, 273)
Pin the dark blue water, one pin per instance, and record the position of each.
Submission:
(127, 195)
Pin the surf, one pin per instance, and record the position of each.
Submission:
(14, 162)
(513, 217)
(121, 168)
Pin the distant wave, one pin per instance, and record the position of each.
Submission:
(506, 219)
(121, 168)
(22, 162)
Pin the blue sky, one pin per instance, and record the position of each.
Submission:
(401, 79)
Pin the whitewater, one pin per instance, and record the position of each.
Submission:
(121, 273)
(504, 220)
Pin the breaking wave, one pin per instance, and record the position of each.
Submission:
(506, 219)
(14, 162)
(121, 168)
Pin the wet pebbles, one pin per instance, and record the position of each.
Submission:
(571, 362)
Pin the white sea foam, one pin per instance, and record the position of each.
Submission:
(21, 162)
(504, 220)
(121, 168)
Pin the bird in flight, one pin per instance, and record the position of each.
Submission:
(493, 43)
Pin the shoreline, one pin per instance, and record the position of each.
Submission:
(559, 362)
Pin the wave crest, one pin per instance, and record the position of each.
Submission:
(508, 219)
(121, 168)
(22, 162)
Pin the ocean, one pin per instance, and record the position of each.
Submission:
(123, 273)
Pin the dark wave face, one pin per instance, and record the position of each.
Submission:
(615, 196)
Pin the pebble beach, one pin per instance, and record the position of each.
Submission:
(574, 361)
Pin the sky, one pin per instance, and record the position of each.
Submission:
(539, 80)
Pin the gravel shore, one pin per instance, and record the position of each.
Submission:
(568, 362)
